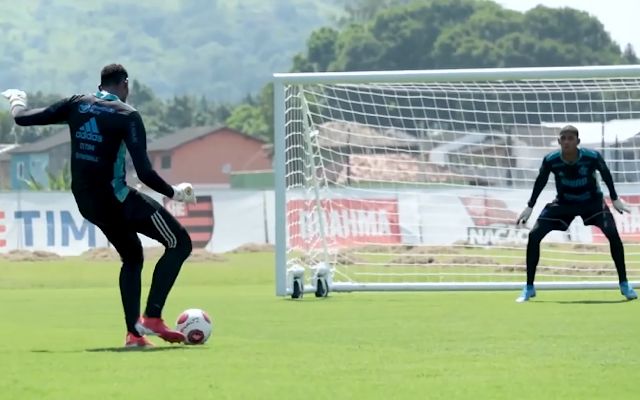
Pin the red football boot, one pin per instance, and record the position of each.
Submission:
(132, 341)
(156, 327)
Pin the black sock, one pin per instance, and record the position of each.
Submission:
(130, 282)
(617, 253)
(164, 276)
(539, 231)
(533, 256)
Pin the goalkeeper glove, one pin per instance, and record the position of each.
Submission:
(524, 216)
(621, 206)
(184, 193)
(17, 98)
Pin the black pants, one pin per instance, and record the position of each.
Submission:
(558, 217)
(144, 215)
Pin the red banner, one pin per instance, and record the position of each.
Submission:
(346, 222)
(628, 223)
(488, 211)
(197, 218)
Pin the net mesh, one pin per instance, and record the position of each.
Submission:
(423, 182)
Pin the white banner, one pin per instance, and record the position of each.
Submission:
(45, 221)
(220, 221)
(223, 220)
(483, 217)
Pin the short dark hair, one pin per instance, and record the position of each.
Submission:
(569, 129)
(113, 74)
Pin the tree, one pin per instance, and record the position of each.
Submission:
(250, 120)
(60, 181)
(255, 115)
(180, 112)
(357, 49)
(321, 51)
(6, 128)
(427, 34)
(358, 11)
(629, 54)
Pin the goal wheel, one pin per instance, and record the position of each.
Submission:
(322, 288)
(298, 289)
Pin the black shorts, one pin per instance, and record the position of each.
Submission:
(138, 206)
(558, 217)
(104, 209)
(139, 213)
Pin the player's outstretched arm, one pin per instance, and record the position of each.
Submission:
(540, 183)
(136, 142)
(618, 204)
(54, 114)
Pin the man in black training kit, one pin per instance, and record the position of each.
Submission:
(578, 194)
(102, 128)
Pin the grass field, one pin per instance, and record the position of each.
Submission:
(62, 332)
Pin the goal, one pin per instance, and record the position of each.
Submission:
(413, 180)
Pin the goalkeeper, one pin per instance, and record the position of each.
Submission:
(102, 126)
(578, 194)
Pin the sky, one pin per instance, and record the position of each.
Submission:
(619, 17)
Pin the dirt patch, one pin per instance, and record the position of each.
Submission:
(101, 254)
(435, 250)
(471, 260)
(511, 268)
(341, 258)
(26, 255)
(201, 255)
(584, 269)
(412, 259)
(383, 249)
(586, 247)
(150, 253)
(254, 248)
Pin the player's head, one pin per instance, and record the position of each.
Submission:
(569, 138)
(115, 79)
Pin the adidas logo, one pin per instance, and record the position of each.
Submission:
(89, 131)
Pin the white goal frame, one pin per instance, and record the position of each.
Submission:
(283, 80)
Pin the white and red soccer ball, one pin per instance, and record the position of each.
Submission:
(196, 325)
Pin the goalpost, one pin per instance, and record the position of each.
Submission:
(413, 180)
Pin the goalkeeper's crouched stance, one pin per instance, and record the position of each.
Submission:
(578, 194)
(102, 128)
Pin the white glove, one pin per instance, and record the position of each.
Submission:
(621, 206)
(184, 193)
(524, 216)
(16, 97)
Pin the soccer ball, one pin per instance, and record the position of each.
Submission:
(195, 324)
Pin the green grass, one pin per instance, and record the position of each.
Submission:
(62, 331)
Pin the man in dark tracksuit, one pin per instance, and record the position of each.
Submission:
(103, 127)
(578, 194)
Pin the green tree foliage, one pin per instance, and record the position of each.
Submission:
(255, 116)
(57, 181)
(364, 10)
(175, 59)
(160, 116)
(220, 49)
(426, 34)
(6, 128)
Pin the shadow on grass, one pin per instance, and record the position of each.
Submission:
(134, 349)
(121, 350)
(583, 301)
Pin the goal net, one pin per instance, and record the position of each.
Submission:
(413, 180)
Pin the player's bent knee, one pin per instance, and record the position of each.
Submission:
(535, 235)
(133, 259)
(184, 245)
(613, 236)
(610, 231)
